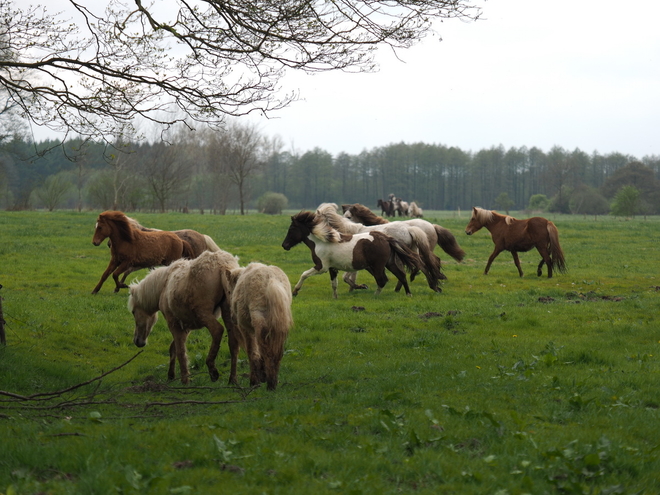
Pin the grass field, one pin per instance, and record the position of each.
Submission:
(498, 385)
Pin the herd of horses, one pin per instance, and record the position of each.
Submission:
(193, 282)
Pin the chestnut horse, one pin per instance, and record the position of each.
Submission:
(516, 236)
(386, 207)
(191, 295)
(198, 242)
(132, 248)
(333, 251)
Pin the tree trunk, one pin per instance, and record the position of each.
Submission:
(3, 339)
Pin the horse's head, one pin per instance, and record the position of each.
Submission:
(476, 221)
(298, 230)
(102, 230)
(144, 321)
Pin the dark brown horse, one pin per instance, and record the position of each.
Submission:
(132, 248)
(436, 234)
(333, 251)
(386, 207)
(517, 236)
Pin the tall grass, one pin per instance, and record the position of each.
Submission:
(499, 385)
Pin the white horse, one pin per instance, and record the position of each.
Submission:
(411, 236)
(333, 251)
(415, 211)
(190, 294)
(436, 234)
(261, 312)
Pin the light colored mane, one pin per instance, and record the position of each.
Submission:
(146, 293)
(487, 216)
(328, 213)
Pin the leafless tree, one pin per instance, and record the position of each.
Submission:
(166, 173)
(93, 68)
(240, 154)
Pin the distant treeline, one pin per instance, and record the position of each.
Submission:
(218, 173)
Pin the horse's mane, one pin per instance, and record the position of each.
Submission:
(146, 293)
(124, 225)
(364, 214)
(486, 216)
(328, 213)
(317, 226)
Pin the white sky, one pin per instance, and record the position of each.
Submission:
(577, 74)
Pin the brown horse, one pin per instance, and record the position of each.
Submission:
(516, 236)
(198, 243)
(436, 234)
(386, 207)
(133, 248)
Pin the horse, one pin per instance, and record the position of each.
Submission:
(415, 211)
(333, 251)
(436, 234)
(191, 295)
(409, 235)
(198, 242)
(261, 312)
(131, 248)
(510, 234)
(386, 207)
(400, 206)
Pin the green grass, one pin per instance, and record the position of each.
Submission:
(498, 385)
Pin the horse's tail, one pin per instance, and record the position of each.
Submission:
(408, 258)
(188, 251)
(210, 244)
(273, 336)
(556, 253)
(448, 243)
(429, 258)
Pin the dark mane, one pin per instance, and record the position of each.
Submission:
(307, 218)
(122, 222)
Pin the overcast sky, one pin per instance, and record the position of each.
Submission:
(577, 74)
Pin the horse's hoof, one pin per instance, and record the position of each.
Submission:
(214, 375)
(362, 287)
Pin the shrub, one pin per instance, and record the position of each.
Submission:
(272, 203)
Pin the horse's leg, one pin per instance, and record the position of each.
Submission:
(516, 260)
(491, 258)
(170, 372)
(539, 270)
(179, 337)
(232, 339)
(400, 275)
(350, 279)
(125, 265)
(105, 275)
(216, 330)
(333, 281)
(305, 275)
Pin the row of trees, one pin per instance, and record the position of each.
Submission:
(233, 168)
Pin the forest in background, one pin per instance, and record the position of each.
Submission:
(235, 169)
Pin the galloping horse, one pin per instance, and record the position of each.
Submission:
(516, 236)
(436, 234)
(409, 235)
(132, 248)
(333, 251)
(191, 295)
(198, 242)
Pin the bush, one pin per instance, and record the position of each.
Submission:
(538, 202)
(272, 203)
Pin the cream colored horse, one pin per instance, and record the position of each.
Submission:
(261, 312)
(191, 295)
